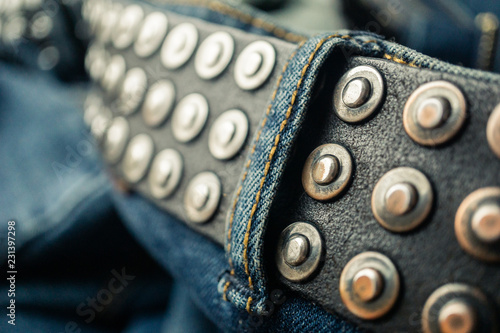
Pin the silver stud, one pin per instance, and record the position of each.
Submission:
(327, 172)
(166, 173)
(128, 26)
(133, 89)
(96, 61)
(137, 157)
(493, 131)
(179, 45)
(92, 105)
(358, 94)
(158, 103)
(202, 197)
(458, 308)
(477, 224)
(116, 139)
(299, 251)
(189, 117)
(14, 28)
(48, 58)
(457, 316)
(434, 113)
(109, 20)
(228, 134)
(369, 285)
(402, 199)
(254, 65)
(151, 35)
(113, 76)
(41, 25)
(214, 55)
(296, 250)
(100, 123)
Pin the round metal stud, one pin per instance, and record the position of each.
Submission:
(166, 173)
(254, 65)
(113, 76)
(100, 123)
(14, 28)
(151, 35)
(116, 139)
(228, 134)
(158, 103)
(137, 157)
(96, 61)
(327, 172)
(109, 20)
(299, 251)
(402, 199)
(214, 54)
(369, 285)
(189, 117)
(179, 45)
(458, 308)
(128, 27)
(202, 197)
(434, 113)
(133, 89)
(92, 105)
(41, 25)
(358, 94)
(477, 224)
(493, 131)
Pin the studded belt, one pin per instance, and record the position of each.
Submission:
(388, 210)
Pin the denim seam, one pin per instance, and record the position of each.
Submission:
(247, 165)
(256, 22)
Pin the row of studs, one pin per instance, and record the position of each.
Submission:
(253, 66)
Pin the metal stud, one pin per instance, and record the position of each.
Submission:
(137, 157)
(202, 197)
(214, 55)
(402, 199)
(458, 308)
(358, 94)
(254, 65)
(116, 139)
(151, 35)
(369, 285)
(477, 224)
(133, 90)
(189, 117)
(100, 123)
(92, 105)
(14, 28)
(128, 26)
(327, 172)
(179, 45)
(109, 20)
(96, 61)
(166, 173)
(158, 103)
(228, 134)
(41, 25)
(434, 113)
(113, 76)
(493, 131)
(299, 251)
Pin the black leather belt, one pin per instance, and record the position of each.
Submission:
(388, 211)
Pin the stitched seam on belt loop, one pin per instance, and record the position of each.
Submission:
(247, 164)
(249, 302)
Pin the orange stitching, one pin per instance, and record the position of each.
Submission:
(224, 293)
(247, 164)
(248, 304)
(270, 157)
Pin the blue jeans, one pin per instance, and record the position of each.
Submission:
(94, 259)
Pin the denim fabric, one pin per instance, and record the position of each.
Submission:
(73, 216)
